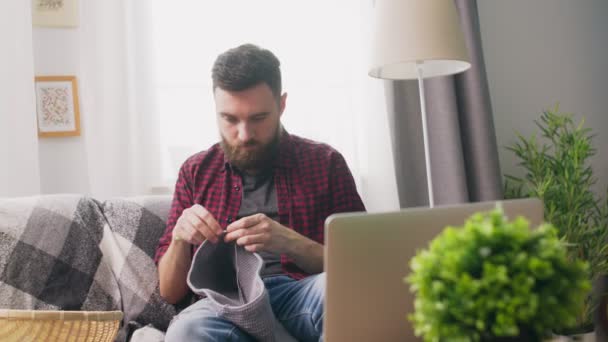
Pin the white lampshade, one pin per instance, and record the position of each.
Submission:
(408, 32)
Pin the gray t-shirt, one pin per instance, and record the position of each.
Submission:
(260, 196)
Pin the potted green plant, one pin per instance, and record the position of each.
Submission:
(556, 170)
(495, 280)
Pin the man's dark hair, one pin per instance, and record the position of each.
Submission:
(245, 66)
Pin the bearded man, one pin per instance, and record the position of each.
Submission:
(261, 188)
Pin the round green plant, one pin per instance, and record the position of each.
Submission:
(495, 278)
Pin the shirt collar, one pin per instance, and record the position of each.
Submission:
(286, 158)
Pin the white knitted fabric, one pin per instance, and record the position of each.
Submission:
(229, 276)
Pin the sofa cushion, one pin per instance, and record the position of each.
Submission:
(140, 219)
(137, 224)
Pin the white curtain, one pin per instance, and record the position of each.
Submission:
(121, 128)
(375, 167)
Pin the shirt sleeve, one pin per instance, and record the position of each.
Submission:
(182, 199)
(344, 195)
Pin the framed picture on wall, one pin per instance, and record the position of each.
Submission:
(55, 13)
(57, 106)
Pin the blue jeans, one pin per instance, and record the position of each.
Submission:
(298, 305)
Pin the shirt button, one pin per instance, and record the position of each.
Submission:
(229, 219)
(236, 188)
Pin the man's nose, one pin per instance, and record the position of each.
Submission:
(245, 132)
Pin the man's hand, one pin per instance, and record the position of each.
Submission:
(260, 233)
(196, 225)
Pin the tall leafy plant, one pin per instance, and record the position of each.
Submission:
(556, 169)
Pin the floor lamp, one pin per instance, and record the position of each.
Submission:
(417, 39)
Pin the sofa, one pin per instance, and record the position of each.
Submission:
(73, 252)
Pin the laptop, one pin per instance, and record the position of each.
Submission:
(367, 256)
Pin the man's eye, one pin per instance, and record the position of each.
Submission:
(230, 119)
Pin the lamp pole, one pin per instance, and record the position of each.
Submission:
(425, 133)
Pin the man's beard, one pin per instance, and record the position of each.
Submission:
(256, 159)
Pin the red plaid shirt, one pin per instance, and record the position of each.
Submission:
(312, 182)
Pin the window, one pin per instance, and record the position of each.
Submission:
(317, 42)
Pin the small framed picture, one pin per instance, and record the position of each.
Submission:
(57, 106)
(55, 13)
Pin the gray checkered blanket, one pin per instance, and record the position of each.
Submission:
(68, 252)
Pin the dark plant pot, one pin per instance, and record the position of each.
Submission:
(577, 331)
(513, 339)
(524, 336)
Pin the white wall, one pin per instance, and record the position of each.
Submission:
(542, 52)
(63, 160)
(19, 173)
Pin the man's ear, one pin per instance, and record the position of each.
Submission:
(282, 103)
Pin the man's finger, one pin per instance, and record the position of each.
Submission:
(254, 248)
(208, 218)
(194, 220)
(235, 234)
(189, 233)
(201, 226)
(245, 222)
(196, 236)
(251, 239)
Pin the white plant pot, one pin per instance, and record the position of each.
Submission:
(588, 337)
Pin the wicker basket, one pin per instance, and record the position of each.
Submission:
(34, 325)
